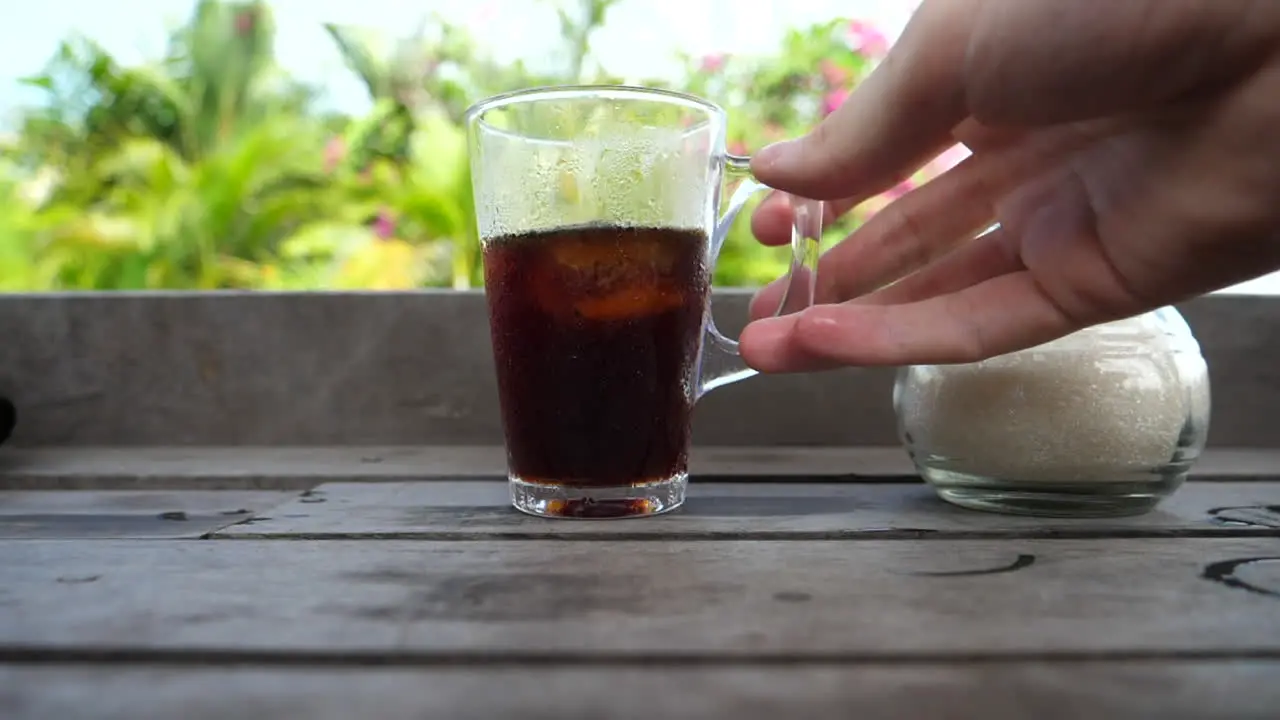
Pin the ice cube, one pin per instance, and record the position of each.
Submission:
(609, 274)
(630, 302)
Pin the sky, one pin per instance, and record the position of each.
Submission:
(639, 39)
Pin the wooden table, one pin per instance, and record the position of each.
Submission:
(821, 583)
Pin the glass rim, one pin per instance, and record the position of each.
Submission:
(475, 113)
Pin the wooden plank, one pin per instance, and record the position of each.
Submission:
(375, 601)
(128, 514)
(471, 510)
(992, 691)
(298, 468)
(400, 368)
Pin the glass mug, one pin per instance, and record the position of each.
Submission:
(596, 210)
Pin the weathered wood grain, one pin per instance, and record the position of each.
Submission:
(298, 468)
(657, 600)
(403, 368)
(832, 510)
(992, 691)
(128, 514)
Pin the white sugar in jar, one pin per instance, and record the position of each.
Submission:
(1106, 421)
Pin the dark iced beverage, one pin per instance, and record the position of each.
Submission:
(600, 328)
(596, 332)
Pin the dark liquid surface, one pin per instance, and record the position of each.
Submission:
(595, 334)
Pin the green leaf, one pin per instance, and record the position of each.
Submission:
(42, 81)
(362, 52)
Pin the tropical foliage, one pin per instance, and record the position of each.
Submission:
(210, 168)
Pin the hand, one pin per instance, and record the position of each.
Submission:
(1130, 152)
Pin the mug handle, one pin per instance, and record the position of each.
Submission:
(721, 364)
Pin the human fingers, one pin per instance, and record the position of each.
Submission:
(980, 138)
(1180, 206)
(929, 221)
(904, 235)
(893, 122)
(987, 256)
(999, 315)
(1023, 63)
(771, 222)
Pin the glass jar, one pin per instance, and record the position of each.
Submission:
(1104, 422)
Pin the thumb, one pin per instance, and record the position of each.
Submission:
(893, 122)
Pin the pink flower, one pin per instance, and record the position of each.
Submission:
(833, 74)
(739, 148)
(900, 189)
(334, 151)
(713, 63)
(385, 226)
(864, 38)
(245, 21)
(833, 100)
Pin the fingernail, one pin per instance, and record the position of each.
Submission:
(771, 155)
(769, 329)
(820, 316)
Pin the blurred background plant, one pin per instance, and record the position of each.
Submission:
(211, 168)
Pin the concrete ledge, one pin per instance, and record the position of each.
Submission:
(410, 369)
(297, 468)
